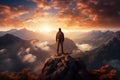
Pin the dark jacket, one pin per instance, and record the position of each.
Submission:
(60, 36)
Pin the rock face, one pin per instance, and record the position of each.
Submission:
(64, 67)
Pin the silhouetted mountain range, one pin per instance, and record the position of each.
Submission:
(9, 39)
(14, 50)
(108, 53)
(24, 34)
(19, 53)
(94, 38)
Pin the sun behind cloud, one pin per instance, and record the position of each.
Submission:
(45, 28)
(85, 14)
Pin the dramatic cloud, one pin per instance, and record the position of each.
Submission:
(9, 16)
(44, 4)
(91, 12)
(83, 14)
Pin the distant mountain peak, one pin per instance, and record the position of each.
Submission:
(8, 39)
(24, 29)
(9, 36)
(11, 30)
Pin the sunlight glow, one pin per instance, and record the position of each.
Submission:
(45, 28)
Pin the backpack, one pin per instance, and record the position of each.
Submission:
(60, 36)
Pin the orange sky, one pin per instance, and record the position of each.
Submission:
(39, 15)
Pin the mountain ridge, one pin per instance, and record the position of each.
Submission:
(9, 39)
(105, 53)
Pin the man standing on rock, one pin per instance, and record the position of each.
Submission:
(60, 40)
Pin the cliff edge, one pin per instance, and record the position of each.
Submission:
(64, 67)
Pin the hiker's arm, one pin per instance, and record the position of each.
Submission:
(56, 37)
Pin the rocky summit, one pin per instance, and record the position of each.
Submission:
(64, 67)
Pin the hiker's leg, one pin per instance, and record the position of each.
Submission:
(58, 46)
(62, 47)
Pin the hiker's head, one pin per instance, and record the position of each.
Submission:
(59, 29)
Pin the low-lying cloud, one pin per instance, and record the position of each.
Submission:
(26, 56)
(69, 46)
(43, 45)
(84, 47)
(29, 58)
(2, 51)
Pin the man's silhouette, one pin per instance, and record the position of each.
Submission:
(60, 40)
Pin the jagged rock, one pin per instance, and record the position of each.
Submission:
(64, 67)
